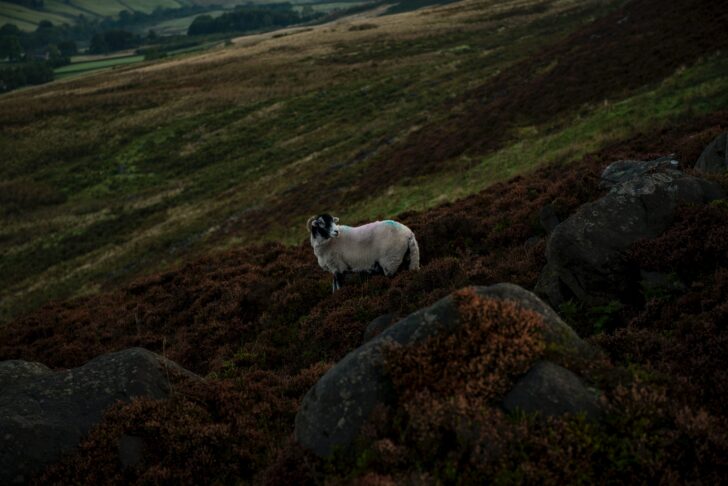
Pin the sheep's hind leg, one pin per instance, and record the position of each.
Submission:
(376, 269)
(390, 266)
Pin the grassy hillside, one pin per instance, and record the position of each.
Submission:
(261, 324)
(132, 171)
(129, 172)
(170, 199)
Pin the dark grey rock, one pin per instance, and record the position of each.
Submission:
(624, 170)
(45, 414)
(548, 218)
(14, 371)
(336, 407)
(552, 390)
(586, 254)
(715, 156)
(377, 326)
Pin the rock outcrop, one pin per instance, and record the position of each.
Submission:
(624, 170)
(336, 407)
(586, 254)
(550, 389)
(377, 326)
(44, 414)
(715, 156)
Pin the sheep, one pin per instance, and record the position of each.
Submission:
(378, 247)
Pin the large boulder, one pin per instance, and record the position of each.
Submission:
(624, 170)
(715, 156)
(14, 371)
(336, 407)
(44, 414)
(586, 254)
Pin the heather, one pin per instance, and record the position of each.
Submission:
(262, 325)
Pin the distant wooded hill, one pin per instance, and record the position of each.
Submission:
(27, 14)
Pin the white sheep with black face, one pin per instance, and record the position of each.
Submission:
(378, 247)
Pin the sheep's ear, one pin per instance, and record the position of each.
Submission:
(308, 223)
(336, 220)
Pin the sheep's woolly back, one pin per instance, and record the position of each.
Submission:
(361, 248)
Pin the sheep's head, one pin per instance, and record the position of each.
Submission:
(323, 227)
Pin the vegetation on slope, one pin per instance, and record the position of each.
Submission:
(151, 167)
(261, 323)
(248, 157)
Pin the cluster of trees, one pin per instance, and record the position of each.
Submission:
(45, 43)
(21, 74)
(134, 19)
(16, 45)
(29, 57)
(113, 40)
(27, 65)
(249, 17)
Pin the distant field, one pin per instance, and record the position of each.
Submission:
(147, 6)
(10, 12)
(327, 7)
(62, 11)
(22, 25)
(179, 26)
(63, 8)
(313, 3)
(87, 64)
(105, 8)
(84, 67)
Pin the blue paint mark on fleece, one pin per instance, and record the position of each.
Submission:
(390, 222)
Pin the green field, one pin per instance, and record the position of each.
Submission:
(179, 26)
(85, 67)
(22, 24)
(24, 17)
(82, 65)
(327, 7)
(147, 7)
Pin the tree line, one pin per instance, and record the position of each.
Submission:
(250, 17)
(29, 57)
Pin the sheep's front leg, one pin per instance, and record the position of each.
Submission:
(338, 281)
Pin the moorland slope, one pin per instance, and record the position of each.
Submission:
(115, 174)
(433, 112)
